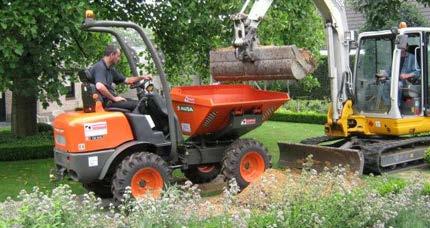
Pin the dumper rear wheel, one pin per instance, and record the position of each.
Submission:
(144, 172)
(245, 160)
(203, 173)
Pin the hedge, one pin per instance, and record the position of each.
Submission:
(312, 118)
(26, 152)
(33, 147)
(41, 145)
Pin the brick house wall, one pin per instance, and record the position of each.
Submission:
(356, 19)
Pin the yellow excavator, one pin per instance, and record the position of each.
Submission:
(379, 111)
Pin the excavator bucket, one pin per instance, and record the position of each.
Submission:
(269, 63)
(293, 155)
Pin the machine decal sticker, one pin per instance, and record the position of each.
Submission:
(95, 129)
(248, 121)
(377, 124)
(186, 127)
(93, 161)
(190, 99)
(185, 108)
(81, 146)
(95, 137)
(150, 121)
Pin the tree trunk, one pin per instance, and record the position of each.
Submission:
(24, 110)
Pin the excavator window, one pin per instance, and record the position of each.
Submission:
(426, 62)
(410, 99)
(374, 58)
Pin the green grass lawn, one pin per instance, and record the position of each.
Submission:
(273, 132)
(18, 175)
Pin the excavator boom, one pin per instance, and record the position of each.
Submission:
(246, 60)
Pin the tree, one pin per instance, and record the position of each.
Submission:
(385, 14)
(186, 30)
(38, 45)
(41, 41)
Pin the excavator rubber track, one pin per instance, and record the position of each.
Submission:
(363, 155)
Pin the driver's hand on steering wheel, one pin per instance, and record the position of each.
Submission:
(118, 99)
(147, 77)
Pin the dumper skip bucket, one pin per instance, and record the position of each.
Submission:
(207, 109)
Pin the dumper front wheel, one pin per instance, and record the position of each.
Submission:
(203, 173)
(145, 173)
(245, 160)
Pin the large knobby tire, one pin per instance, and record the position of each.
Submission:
(245, 160)
(203, 173)
(144, 172)
(101, 189)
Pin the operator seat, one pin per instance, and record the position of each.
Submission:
(157, 109)
(88, 89)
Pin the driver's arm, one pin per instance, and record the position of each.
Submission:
(100, 80)
(119, 78)
(105, 92)
(133, 79)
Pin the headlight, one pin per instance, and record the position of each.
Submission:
(59, 139)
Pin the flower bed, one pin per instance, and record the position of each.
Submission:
(278, 199)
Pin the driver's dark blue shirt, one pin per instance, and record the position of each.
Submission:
(106, 75)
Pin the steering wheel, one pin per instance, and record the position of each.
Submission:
(139, 83)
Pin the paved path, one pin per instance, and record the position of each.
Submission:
(4, 124)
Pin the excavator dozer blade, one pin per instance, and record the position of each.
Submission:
(293, 155)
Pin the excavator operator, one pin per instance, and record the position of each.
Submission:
(409, 73)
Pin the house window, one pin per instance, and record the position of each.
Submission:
(70, 90)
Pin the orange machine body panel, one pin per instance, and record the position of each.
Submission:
(78, 132)
(207, 109)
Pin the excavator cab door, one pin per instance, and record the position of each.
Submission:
(373, 74)
(426, 74)
(410, 76)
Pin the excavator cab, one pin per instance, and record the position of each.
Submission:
(388, 77)
(375, 76)
(378, 126)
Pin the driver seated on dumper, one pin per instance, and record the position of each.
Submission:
(104, 74)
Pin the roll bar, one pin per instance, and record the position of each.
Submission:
(130, 60)
(100, 26)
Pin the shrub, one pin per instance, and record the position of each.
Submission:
(31, 147)
(427, 156)
(305, 117)
(327, 199)
(409, 218)
(299, 105)
(426, 189)
(387, 185)
(394, 185)
(26, 152)
(44, 127)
